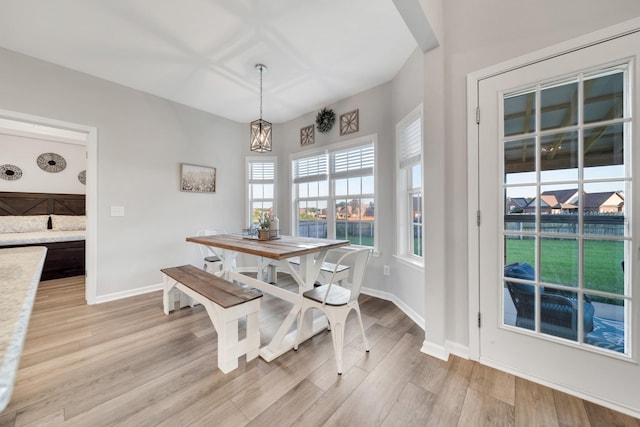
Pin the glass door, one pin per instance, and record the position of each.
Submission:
(557, 155)
(565, 225)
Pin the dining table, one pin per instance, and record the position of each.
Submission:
(311, 253)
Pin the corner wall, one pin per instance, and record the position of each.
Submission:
(142, 139)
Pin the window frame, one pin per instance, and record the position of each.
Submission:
(407, 158)
(331, 198)
(248, 181)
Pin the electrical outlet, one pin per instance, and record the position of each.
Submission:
(387, 270)
(117, 210)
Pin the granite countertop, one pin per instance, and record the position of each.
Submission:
(20, 270)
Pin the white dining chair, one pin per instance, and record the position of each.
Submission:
(212, 262)
(336, 301)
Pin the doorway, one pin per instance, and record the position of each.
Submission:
(556, 159)
(91, 188)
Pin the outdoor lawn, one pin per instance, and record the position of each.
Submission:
(559, 262)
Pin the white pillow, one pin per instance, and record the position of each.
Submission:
(23, 224)
(68, 222)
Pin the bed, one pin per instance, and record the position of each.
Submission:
(56, 221)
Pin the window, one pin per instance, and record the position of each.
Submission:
(261, 185)
(566, 189)
(409, 143)
(334, 193)
(310, 176)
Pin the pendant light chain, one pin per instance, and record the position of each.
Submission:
(261, 68)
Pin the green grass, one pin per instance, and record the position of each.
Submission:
(559, 262)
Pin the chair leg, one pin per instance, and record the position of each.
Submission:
(365, 342)
(337, 321)
(337, 335)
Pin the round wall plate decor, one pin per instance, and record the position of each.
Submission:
(82, 177)
(10, 172)
(51, 162)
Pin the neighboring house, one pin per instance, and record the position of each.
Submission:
(605, 202)
(554, 201)
(516, 204)
(566, 201)
(353, 211)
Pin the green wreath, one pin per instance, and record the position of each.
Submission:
(325, 120)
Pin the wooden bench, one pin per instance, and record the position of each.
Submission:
(324, 276)
(225, 302)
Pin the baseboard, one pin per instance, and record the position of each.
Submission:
(417, 319)
(435, 350)
(128, 293)
(457, 349)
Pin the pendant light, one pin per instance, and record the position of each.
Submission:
(260, 129)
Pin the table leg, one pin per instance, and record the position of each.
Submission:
(284, 340)
(228, 260)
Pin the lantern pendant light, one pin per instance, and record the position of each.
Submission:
(260, 129)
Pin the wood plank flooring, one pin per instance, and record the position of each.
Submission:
(125, 363)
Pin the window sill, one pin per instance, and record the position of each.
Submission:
(410, 262)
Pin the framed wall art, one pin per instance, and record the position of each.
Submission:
(307, 135)
(349, 122)
(197, 179)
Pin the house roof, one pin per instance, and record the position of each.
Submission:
(595, 200)
(560, 196)
(519, 201)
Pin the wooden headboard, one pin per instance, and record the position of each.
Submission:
(41, 204)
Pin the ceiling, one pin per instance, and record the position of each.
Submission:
(202, 53)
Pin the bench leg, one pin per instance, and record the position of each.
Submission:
(171, 294)
(225, 322)
(228, 345)
(168, 294)
(253, 331)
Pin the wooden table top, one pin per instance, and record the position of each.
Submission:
(279, 249)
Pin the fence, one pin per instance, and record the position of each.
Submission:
(364, 229)
(593, 224)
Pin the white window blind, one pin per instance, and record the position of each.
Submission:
(410, 142)
(355, 161)
(261, 171)
(309, 169)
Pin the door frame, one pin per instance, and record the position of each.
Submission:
(473, 169)
(91, 200)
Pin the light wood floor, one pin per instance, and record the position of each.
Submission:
(126, 363)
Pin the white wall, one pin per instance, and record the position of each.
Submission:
(407, 282)
(380, 108)
(142, 140)
(23, 152)
(374, 107)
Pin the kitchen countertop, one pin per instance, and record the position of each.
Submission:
(20, 270)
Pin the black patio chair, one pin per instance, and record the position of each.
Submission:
(558, 308)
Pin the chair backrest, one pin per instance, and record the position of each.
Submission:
(522, 294)
(357, 260)
(204, 249)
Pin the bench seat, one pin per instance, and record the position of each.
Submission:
(225, 302)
